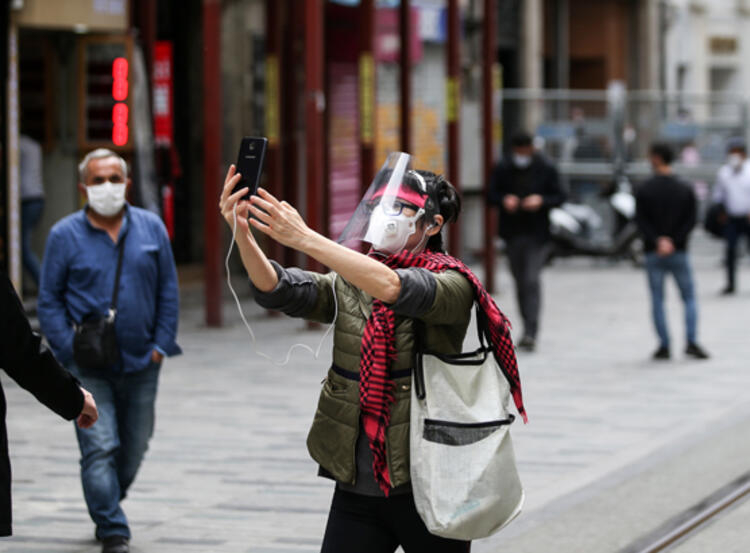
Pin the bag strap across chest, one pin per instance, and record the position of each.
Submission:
(468, 358)
(116, 290)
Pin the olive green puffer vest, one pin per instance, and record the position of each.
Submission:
(333, 436)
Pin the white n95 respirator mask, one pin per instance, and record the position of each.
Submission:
(389, 233)
(106, 199)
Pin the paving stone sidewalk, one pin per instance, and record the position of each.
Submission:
(228, 471)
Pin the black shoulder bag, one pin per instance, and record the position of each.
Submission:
(95, 342)
(715, 221)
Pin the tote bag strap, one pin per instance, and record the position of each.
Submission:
(483, 329)
(420, 347)
(116, 291)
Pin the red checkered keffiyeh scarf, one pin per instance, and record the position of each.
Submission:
(379, 350)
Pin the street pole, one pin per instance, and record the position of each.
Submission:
(562, 61)
(291, 51)
(616, 105)
(314, 110)
(367, 92)
(405, 62)
(453, 111)
(143, 17)
(488, 146)
(211, 159)
(13, 264)
(274, 167)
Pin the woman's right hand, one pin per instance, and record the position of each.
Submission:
(258, 268)
(229, 200)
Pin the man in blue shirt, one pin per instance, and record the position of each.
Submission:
(78, 276)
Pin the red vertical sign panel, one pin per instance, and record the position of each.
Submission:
(163, 102)
(387, 39)
(163, 94)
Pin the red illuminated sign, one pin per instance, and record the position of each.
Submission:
(120, 95)
(120, 127)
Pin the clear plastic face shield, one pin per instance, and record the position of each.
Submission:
(390, 211)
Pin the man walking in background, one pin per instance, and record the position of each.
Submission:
(32, 201)
(665, 214)
(78, 277)
(732, 191)
(524, 188)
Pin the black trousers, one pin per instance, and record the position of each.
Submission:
(736, 227)
(365, 524)
(527, 255)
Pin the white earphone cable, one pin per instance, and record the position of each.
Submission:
(316, 352)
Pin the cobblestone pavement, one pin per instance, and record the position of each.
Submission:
(228, 471)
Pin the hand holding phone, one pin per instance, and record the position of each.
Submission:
(250, 164)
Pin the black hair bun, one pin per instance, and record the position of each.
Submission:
(449, 200)
(444, 200)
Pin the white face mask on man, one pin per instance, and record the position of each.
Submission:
(107, 198)
(735, 161)
(521, 160)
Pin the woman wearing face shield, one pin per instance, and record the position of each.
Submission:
(360, 432)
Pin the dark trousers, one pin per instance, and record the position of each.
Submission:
(368, 524)
(527, 255)
(736, 227)
(31, 212)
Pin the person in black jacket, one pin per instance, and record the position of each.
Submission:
(666, 214)
(35, 369)
(525, 187)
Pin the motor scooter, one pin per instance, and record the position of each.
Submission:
(579, 229)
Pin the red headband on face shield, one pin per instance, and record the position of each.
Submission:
(406, 194)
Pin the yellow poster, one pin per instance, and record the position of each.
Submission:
(428, 148)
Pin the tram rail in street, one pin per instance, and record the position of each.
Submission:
(689, 522)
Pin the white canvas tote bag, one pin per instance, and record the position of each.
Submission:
(463, 469)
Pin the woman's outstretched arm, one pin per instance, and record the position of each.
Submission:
(283, 223)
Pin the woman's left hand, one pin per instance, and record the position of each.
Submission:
(279, 220)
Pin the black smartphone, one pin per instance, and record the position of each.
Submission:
(250, 163)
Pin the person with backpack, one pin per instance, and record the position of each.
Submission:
(360, 431)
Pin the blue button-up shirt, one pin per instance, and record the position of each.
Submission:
(78, 275)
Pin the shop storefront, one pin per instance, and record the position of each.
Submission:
(71, 84)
